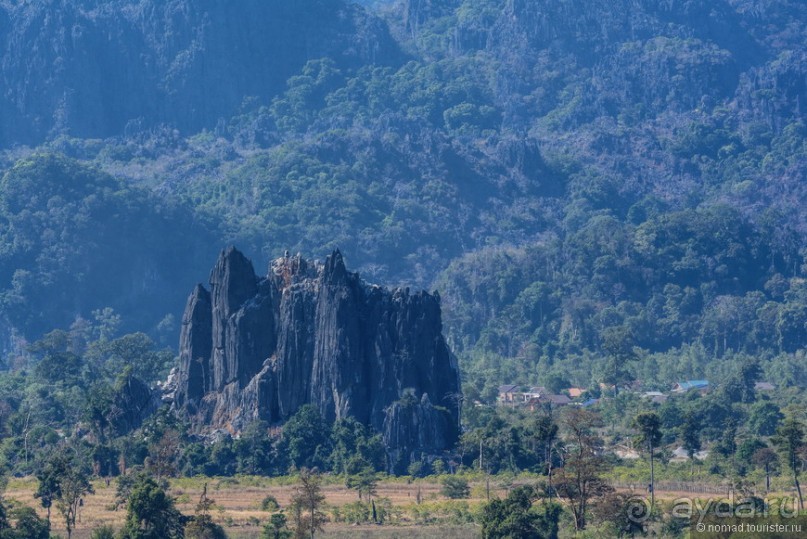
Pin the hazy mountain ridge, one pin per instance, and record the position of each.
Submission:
(100, 69)
(510, 127)
(73, 237)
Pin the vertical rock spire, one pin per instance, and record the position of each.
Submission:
(311, 333)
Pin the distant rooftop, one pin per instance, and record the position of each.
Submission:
(558, 400)
(575, 392)
(691, 384)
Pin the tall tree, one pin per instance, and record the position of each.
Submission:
(163, 454)
(306, 503)
(276, 527)
(3, 516)
(741, 386)
(750, 374)
(365, 483)
(690, 437)
(48, 489)
(74, 485)
(455, 487)
(27, 524)
(544, 436)
(580, 479)
(766, 458)
(764, 418)
(649, 426)
(202, 525)
(253, 449)
(618, 344)
(65, 480)
(789, 439)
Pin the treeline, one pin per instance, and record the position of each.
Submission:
(731, 416)
(677, 292)
(753, 445)
(105, 391)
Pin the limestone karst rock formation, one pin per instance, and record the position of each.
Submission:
(308, 333)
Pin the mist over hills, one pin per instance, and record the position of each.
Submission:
(95, 69)
(573, 176)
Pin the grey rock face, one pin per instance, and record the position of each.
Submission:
(260, 348)
(134, 402)
(412, 428)
(196, 337)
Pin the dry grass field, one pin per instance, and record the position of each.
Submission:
(238, 507)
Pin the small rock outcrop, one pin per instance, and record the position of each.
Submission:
(134, 401)
(309, 333)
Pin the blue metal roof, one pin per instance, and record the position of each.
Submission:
(694, 384)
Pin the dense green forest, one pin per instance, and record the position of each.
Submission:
(601, 192)
(562, 172)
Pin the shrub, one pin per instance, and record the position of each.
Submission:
(455, 487)
(104, 532)
(270, 504)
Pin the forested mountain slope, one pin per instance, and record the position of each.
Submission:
(99, 68)
(74, 240)
(581, 180)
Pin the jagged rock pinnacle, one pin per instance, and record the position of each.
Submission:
(309, 333)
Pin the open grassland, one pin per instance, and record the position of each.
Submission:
(238, 506)
(238, 502)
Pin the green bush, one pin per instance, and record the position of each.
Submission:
(455, 487)
(270, 504)
(104, 532)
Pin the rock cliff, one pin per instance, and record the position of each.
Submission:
(260, 348)
(134, 401)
